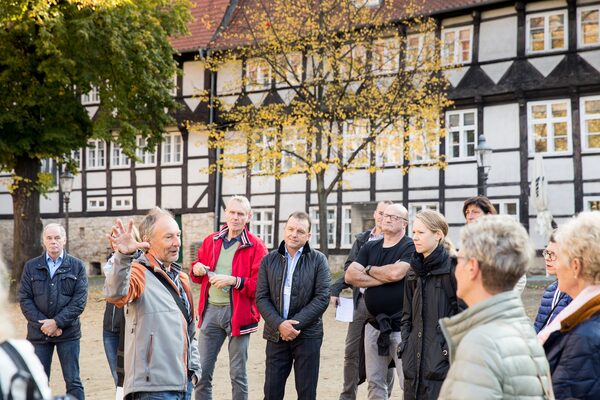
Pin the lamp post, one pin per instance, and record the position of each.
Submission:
(482, 152)
(66, 185)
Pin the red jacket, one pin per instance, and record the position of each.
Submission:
(246, 261)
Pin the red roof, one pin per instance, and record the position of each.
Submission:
(207, 16)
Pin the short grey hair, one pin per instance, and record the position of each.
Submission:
(243, 200)
(501, 246)
(580, 238)
(63, 233)
(147, 225)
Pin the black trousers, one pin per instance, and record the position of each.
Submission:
(304, 354)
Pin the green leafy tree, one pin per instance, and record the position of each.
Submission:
(52, 52)
(365, 82)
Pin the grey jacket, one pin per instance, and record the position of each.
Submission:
(161, 352)
(494, 353)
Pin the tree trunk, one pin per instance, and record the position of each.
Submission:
(27, 224)
(322, 203)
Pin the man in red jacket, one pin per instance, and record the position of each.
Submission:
(227, 269)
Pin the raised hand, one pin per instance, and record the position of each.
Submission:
(122, 238)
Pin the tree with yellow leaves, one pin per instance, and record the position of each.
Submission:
(345, 82)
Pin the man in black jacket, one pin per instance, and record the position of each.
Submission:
(53, 295)
(292, 293)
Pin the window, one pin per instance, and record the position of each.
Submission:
(592, 204)
(590, 122)
(50, 167)
(456, 47)
(419, 50)
(547, 32)
(96, 204)
(386, 53)
(91, 97)
(76, 157)
(549, 126)
(355, 133)
(461, 138)
(316, 231)
(346, 239)
(294, 140)
(172, 148)
(118, 158)
(352, 61)
(424, 140)
(588, 22)
(262, 223)
(96, 157)
(507, 207)
(145, 157)
(122, 203)
(258, 74)
(290, 66)
(173, 91)
(390, 146)
(414, 209)
(261, 160)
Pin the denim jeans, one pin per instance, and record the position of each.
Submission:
(111, 346)
(216, 326)
(157, 396)
(68, 355)
(377, 366)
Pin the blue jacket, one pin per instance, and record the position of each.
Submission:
(543, 316)
(62, 298)
(573, 353)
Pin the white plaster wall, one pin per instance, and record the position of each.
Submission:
(361, 196)
(453, 211)
(505, 167)
(171, 175)
(229, 77)
(417, 195)
(490, 47)
(591, 166)
(193, 77)
(121, 178)
(6, 203)
(145, 177)
(461, 174)
(331, 199)
(359, 179)
(556, 169)
(117, 192)
(423, 176)
(460, 194)
(289, 203)
(263, 184)
(49, 203)
(234, 182)
(75, 202)
(171, 197)
(195, 191)
(460, 20)
(293, 183)
(497, 191)
(498, 12)
(591, 187)
(96, 180)
(501, 126)
(561, 199)
(197, 170)
(545, 5)
(146, 198)
(198, 144)
(389, 179)
(262, 200)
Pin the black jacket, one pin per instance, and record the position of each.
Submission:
(62, 298)
(309, 297)
(341, 284)
(429, 294)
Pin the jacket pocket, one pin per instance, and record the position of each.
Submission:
(67, 284)
(149, 354)
(439, 360)
(39, 285)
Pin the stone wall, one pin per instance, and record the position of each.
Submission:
(195, 229)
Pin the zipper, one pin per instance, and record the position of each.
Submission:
(149, 356)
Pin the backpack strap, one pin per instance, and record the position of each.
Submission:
(23, 372)
(449, 285)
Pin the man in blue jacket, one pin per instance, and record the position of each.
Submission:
(53, 295)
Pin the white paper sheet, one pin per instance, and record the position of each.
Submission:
(344, 310)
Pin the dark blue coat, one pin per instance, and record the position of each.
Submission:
(61, 298)
(574, 358)
(543, 316)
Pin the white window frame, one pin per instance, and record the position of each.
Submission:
(389, 147)
(589, 199)
(502, 207)
(96, 204)
(122, 202)
(346, 223)
(418, 56)
(146, 158)
(549, 121)
(263, 143)
(118, 159)
(457, 46)
(49, 166)
(172, 148)
(258, 74)
(76, 156)
(352, 62)
(462, 130)
(580, 34)
(262, 226)
(385, 56)
(547, 34)
(97, 154)
(414, 208)
(90, 98)
(355, 132)
(585, 117)
(331, 224)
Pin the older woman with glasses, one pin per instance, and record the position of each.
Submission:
(553, 300)
(572, 339)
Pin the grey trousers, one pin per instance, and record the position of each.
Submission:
(377, 366)
(352, 356)
(216, 326)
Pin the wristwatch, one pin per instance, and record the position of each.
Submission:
(368, 270)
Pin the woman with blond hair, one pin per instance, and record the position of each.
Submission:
(572, 339)
(429, 294)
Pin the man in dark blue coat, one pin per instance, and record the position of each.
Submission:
(53, 295)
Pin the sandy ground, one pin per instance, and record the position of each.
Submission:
(99, 385)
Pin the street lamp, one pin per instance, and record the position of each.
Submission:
(66, 185)
(482, 152)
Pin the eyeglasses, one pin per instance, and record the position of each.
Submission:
(549, 255)
(394, 218)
